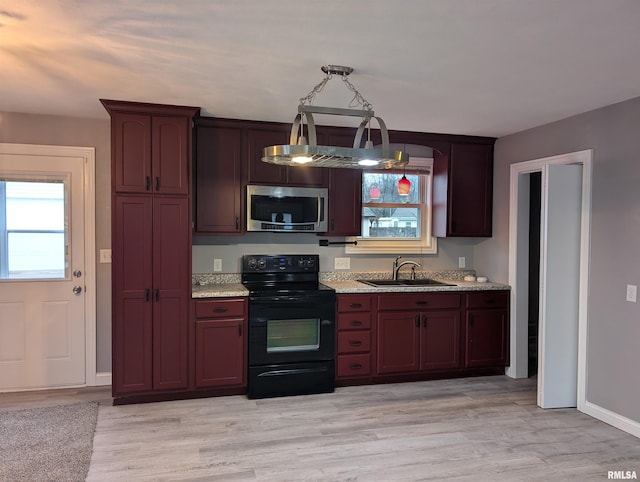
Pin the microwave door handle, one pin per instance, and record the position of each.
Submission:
(319, 209)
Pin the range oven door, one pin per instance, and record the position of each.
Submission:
(291, 328)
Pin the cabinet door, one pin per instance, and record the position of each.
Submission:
(131, 144)
(220, 353)
(218, 180)
(398, 342)
(440, 344)
(345, 202)
(259, 172)
(345, 189)
(132, 306)
(170, 154)
(471, 190)
(171, 291)
(486, 338)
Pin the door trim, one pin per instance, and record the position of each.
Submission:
(518, 342)
(88, 154)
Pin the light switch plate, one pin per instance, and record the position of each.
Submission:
(217, 264)
(462, 262)
(105, 256)
(342, 263)
(632, 293)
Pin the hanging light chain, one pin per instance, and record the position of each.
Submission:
(358, 99)
(307, 99)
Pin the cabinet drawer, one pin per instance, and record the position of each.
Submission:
(353, 365)
(354, 321)
(348, 303)
(354, 341)
(488, 299)
(220, 308)
(418, 301)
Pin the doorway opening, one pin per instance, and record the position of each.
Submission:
(548, 274)
(535, 206)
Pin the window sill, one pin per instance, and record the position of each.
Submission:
(366, 246)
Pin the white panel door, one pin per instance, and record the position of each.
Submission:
(560, 286)
(42, 271)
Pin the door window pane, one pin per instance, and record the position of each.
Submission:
(32, 227)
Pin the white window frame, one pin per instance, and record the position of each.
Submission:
(427, 244)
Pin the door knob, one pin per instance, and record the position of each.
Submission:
(77, 290)
(77, 273)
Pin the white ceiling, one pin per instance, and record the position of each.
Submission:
(489, 67)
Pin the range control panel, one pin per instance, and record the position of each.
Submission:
(290, 263)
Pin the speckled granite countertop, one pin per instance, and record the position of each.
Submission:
(226, 285)
(353, 286)
(218, 290)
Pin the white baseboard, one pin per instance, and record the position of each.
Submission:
(612, 418)
(103, 378)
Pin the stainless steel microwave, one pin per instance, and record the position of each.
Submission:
(286, 209)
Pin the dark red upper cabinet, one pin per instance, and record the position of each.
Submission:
(131, 144)
(345, 189)
(258, 138)
(170, 154)
(463, 190)
(219, 201)
(151, 147)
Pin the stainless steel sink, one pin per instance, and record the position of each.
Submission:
(404, 282)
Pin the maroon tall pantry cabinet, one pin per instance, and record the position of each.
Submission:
(151, 150)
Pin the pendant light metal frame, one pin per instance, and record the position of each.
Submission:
(355, 157)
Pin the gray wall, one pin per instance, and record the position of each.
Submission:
(229, 249)
(613, 323)
(67, 131)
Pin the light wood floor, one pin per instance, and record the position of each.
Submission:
(475, 429)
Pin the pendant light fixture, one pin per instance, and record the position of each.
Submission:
(404, 185)
(304, 150)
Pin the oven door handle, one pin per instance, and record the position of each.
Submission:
(292, 371)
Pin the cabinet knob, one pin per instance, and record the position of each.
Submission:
(355, 305)
(220, 309)
(422, 303)
(355, 343)
(355, 323)
(355, 366)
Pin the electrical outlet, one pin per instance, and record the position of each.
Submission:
(217, 264)
(342, 263)
(105, 256)
(462, 262)
(632, 292)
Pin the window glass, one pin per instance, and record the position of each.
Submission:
(392, 223)
(385, 213)
(32, 227)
